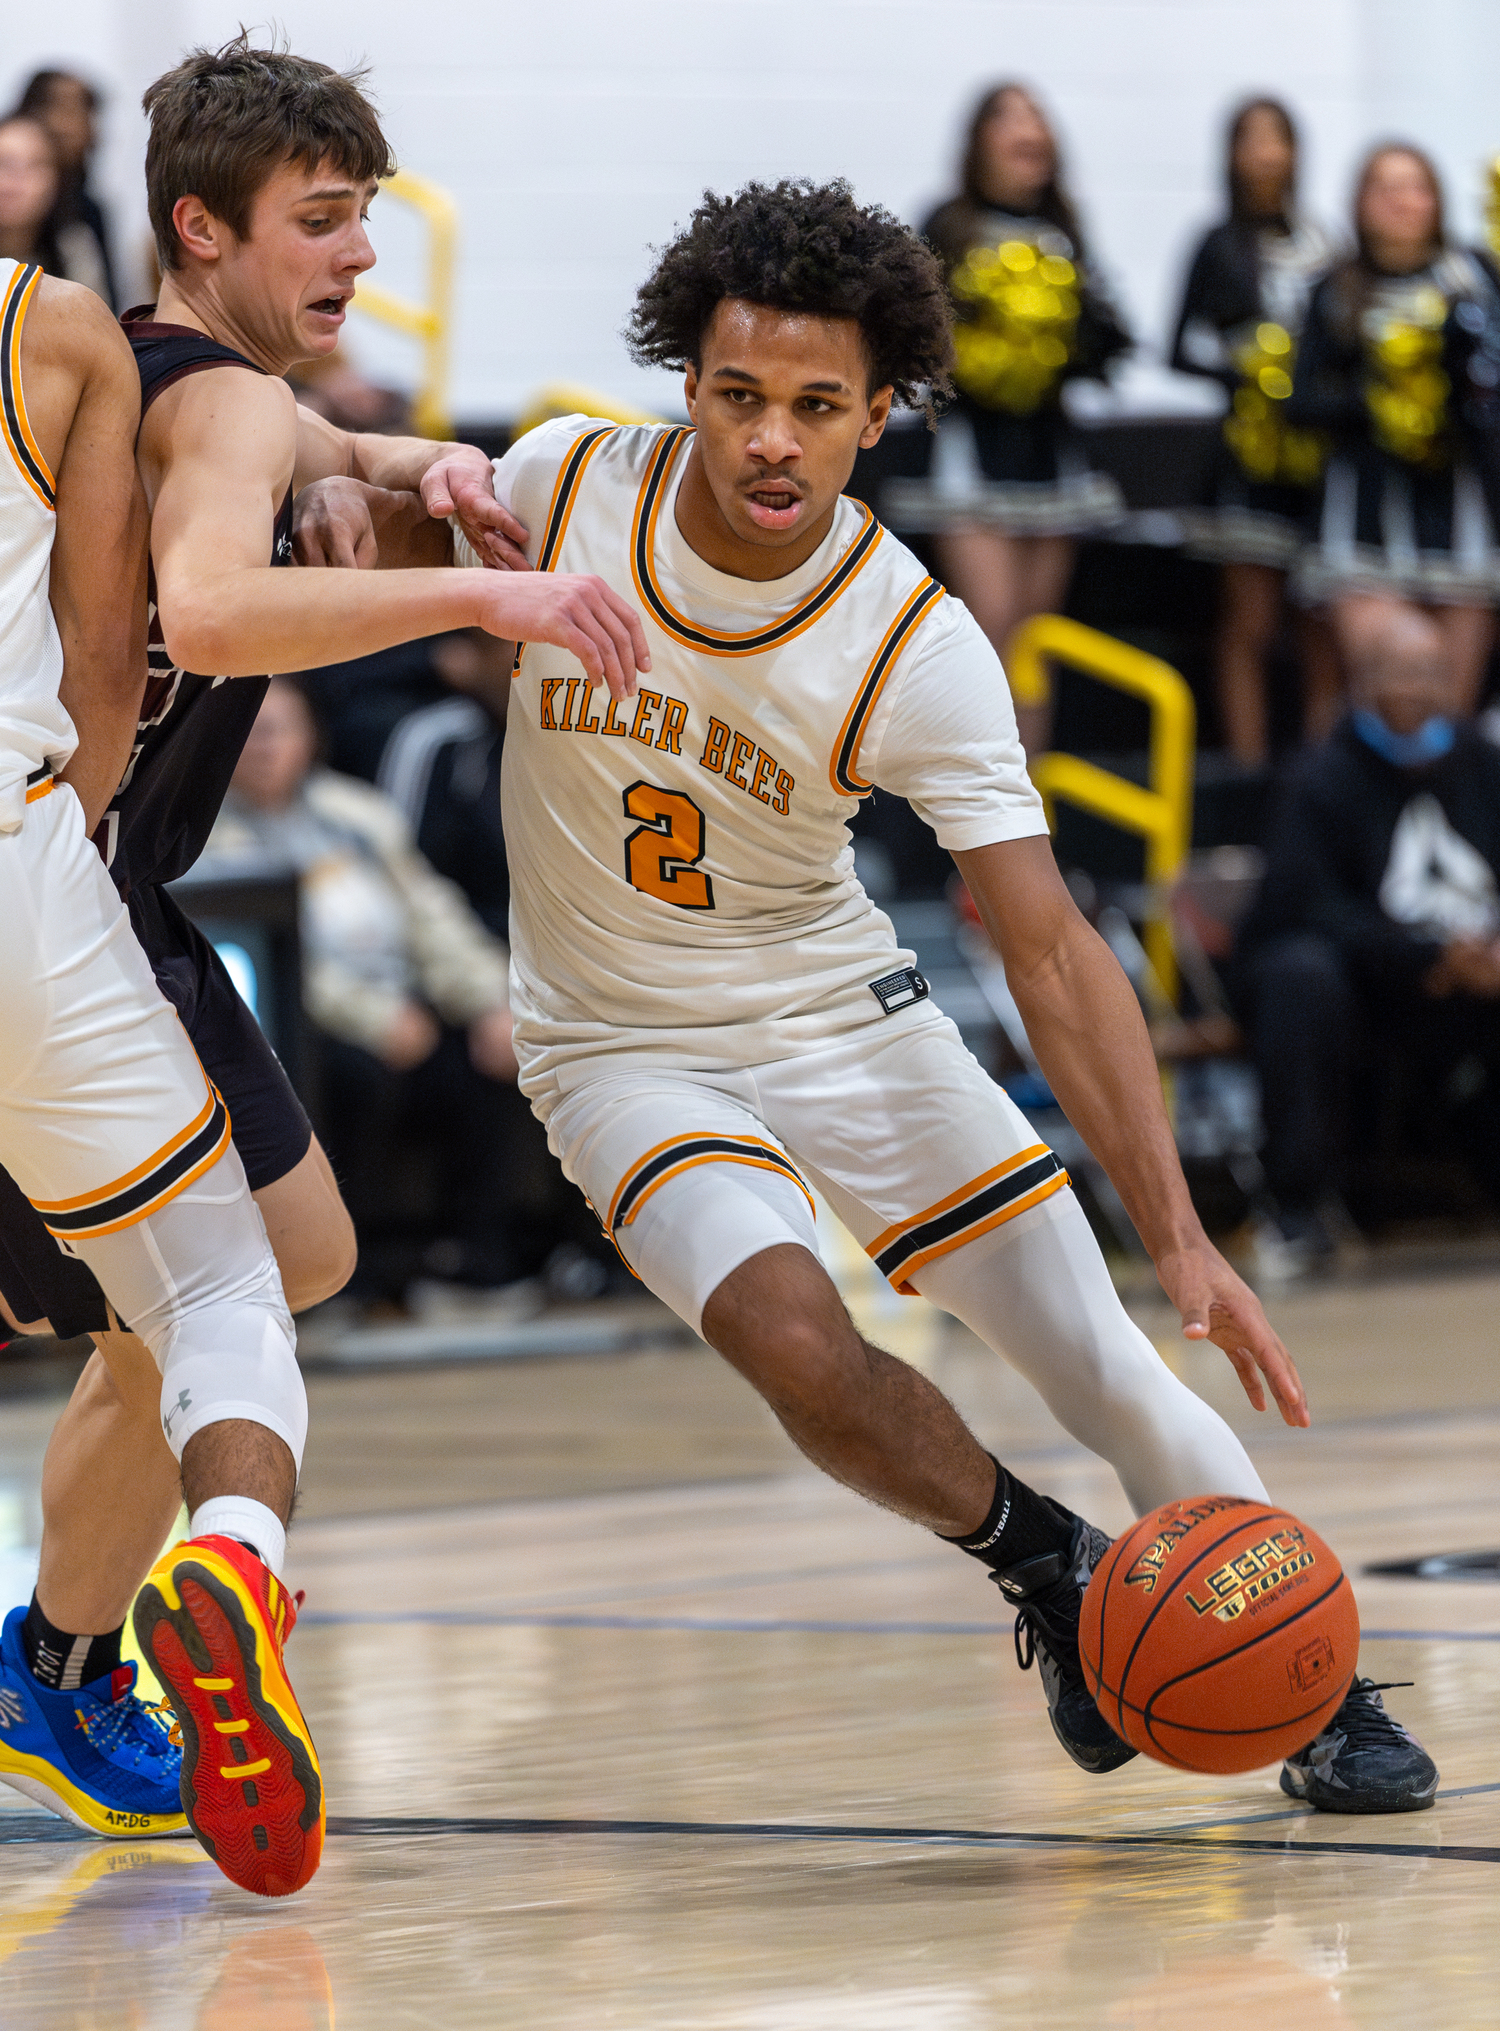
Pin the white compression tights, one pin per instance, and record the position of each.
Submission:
(198, 1282)
(1041, 1296)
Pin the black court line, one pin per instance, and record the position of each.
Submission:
(885, 1836)
(19, 1828)
(486, 1618)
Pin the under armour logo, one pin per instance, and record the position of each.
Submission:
(12, 1708)
(184, 1399)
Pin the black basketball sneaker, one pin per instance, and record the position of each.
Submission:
(1363, 1761)
(1047, 1593)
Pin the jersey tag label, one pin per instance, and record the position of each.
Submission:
(899, 990)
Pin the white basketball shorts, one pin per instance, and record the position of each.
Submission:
(105, 1111)
(691, 1173)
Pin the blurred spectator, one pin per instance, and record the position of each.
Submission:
(33, 226)
(1242, 315)
(1405, 555)
(442, 766)
(1377, 928)
(1011, 489)
(68, 107)
(335, 388)
(359, 704)
(409, 992)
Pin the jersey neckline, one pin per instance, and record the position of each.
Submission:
(790, 604)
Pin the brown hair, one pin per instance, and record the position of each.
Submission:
(1356, 277)
(1367, 170)
(1053, 202)
(1239, 197)
(224, 121)
(44, 250)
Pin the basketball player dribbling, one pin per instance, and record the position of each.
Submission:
(260, 169)
(713, 1019)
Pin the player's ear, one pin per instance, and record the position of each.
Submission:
(690, 389)
(876, 418)
(200, 233)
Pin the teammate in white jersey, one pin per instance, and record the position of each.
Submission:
(713, 1018)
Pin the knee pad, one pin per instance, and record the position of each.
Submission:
(197, 1281)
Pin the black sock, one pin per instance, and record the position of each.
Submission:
(1021, 1524)
(62, 1661)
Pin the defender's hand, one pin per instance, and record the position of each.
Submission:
(333, 525)
(1217, 1305)
(462, 482)
(573, 612)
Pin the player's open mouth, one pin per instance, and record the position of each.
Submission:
(774, 507)
(329, 306)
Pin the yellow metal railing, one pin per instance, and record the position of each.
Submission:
(1161, 814)
(563, 398)
(431, 322)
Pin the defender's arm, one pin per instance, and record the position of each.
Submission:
(450, 478)
(98, 582)
(217, 456)
(1091, 1043)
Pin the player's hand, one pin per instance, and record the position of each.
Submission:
(1217, 1305)
(574, 612)
(1467, 966)
(462, 483)
(333, 525)
(411, 1037)
(492, 1049)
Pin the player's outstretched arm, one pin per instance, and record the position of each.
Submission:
(1091, 1043)
(82, 360)
(217, 454)
(449, 479)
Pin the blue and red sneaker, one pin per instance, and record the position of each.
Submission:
(97, 1755)
(212, 1618)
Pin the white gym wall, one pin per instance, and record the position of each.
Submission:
(575, 134)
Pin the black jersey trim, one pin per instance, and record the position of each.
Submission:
(565, 490)
(560, 507)
(902, 1251)
(846, 749)
(23, 447)
(682, 1153)
(150, 1186)
(711, 641)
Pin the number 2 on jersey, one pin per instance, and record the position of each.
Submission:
(662, 854)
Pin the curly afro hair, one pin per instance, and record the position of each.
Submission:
(803, 246)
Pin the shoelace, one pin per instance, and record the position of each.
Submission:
(107, 1727)
(1363, 1718)
(1028, 1621)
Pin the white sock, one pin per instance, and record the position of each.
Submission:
(242, 1517)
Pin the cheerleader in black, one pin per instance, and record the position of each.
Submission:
(1405, 556)
(1011, 489)
(1242, 315)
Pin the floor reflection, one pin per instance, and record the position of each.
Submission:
(149, 1936)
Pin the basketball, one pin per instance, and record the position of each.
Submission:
(1218, 1634)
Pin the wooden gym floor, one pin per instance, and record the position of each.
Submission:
(630, 1720)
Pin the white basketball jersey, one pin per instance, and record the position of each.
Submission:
(35, 732)
(682, 877)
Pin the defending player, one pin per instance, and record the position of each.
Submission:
(711, 1016)
(259, 170)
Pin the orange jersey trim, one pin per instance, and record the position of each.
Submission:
(653, 492)
(15, 425)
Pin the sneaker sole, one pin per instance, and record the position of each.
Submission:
(43, 1782)
(251, 1786)
(1098, 1762)
(1358, 1804)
